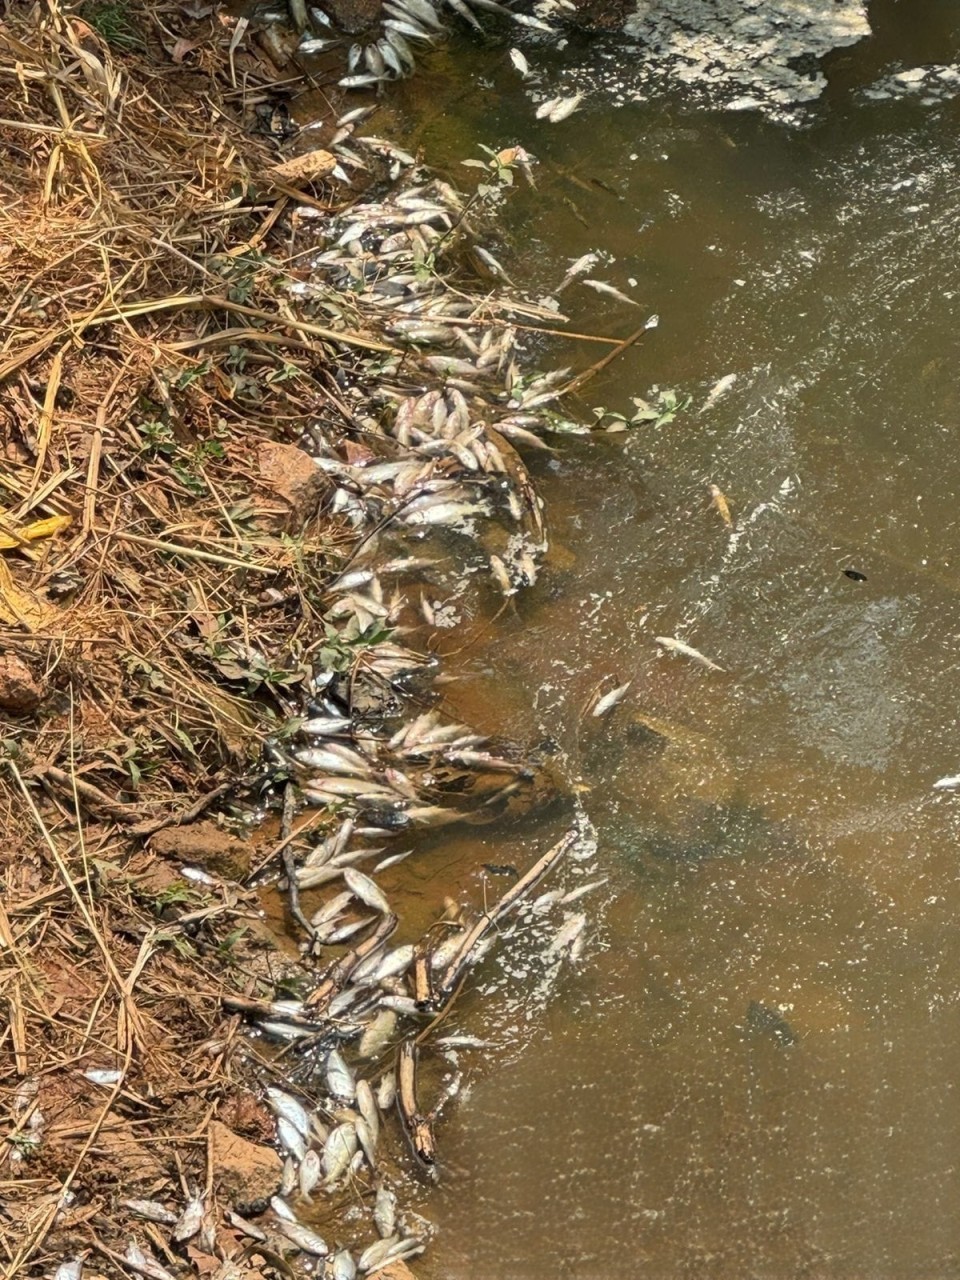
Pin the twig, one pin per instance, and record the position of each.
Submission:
(510, 899)
(418, 1126)
(576, 383)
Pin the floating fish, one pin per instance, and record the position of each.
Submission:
(610, 700)
(366, 890)
(679, 646)
(945, 784)
(718, 500)
(520, 62)
(564, 107)
(600, 286)
(719, 388)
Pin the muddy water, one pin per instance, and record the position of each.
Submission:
(753, 1069)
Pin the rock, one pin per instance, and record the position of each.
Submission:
(353, 16)
(205, 844)
(244, 1172)
(19, 692)
(293, 476)
(395, 1271)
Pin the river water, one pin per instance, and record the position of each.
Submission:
(752, 1071)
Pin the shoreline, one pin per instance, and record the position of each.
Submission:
(206, 628)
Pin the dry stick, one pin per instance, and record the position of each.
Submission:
(509, 899)
(153, 825)
(576, 383)
(46, 419)
(418, 1126)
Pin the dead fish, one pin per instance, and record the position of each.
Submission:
(343, 1266)
(564, 107)
(567, 934)
(287, 1108)
(338, 1151)
(151, 1211)
(282, 1209)
(367, 1106)
(582, 264)
(375, 1255)
(719, 388)
(364, 888)
(103, 1077)
(583, 889)
(288, 1178)
(145, 1265)
(309, 1173)
(520, 62)
(188, 1224)
(387, 1091)
(526, 20)
(340, 1079)
(304, 1238)
(378, 1034)
(609, 700)
(600, 286)
(72, 1269)
(679, 646)
(718, 500)
(385, 1212)
(944, 784)
(368, 1142)
(291, 1139)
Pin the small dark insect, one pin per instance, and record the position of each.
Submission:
(855, 575)
(500, 869)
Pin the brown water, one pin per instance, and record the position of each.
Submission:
(778, 842)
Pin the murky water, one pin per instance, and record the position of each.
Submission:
(753, 1070)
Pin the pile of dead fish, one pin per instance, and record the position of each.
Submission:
(407, 28)
(427, 453)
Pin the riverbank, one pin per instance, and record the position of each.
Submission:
(234, 399)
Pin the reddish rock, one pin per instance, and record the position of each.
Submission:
(243, 1171)
(294, 477)
(19, 692)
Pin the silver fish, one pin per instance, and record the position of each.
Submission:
(304, 1238)
(520, 62)
(378, 1034)
(309, 1173)
(141, 1262)
(287, 1108)
(72, 1269)
(564, 107)
(340, 1079)
(338, 1151)
(600, 286)
(385, 1212)
(151, 1211)
(679, 646)
(568, 932)
(188, 1224)
(343, 1266)
(291, 1139)
(282, 1209)
(609, 700)
(364, 888)
(387, 1091)
(719, 388)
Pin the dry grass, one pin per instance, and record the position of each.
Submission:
(152, 569)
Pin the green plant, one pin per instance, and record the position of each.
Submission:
(664, 409)
(112, 21)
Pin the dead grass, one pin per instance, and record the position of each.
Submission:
(159, 588)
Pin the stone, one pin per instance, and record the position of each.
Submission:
(205, 844)
(19, 691)
(245, 1172)
(294, 477)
